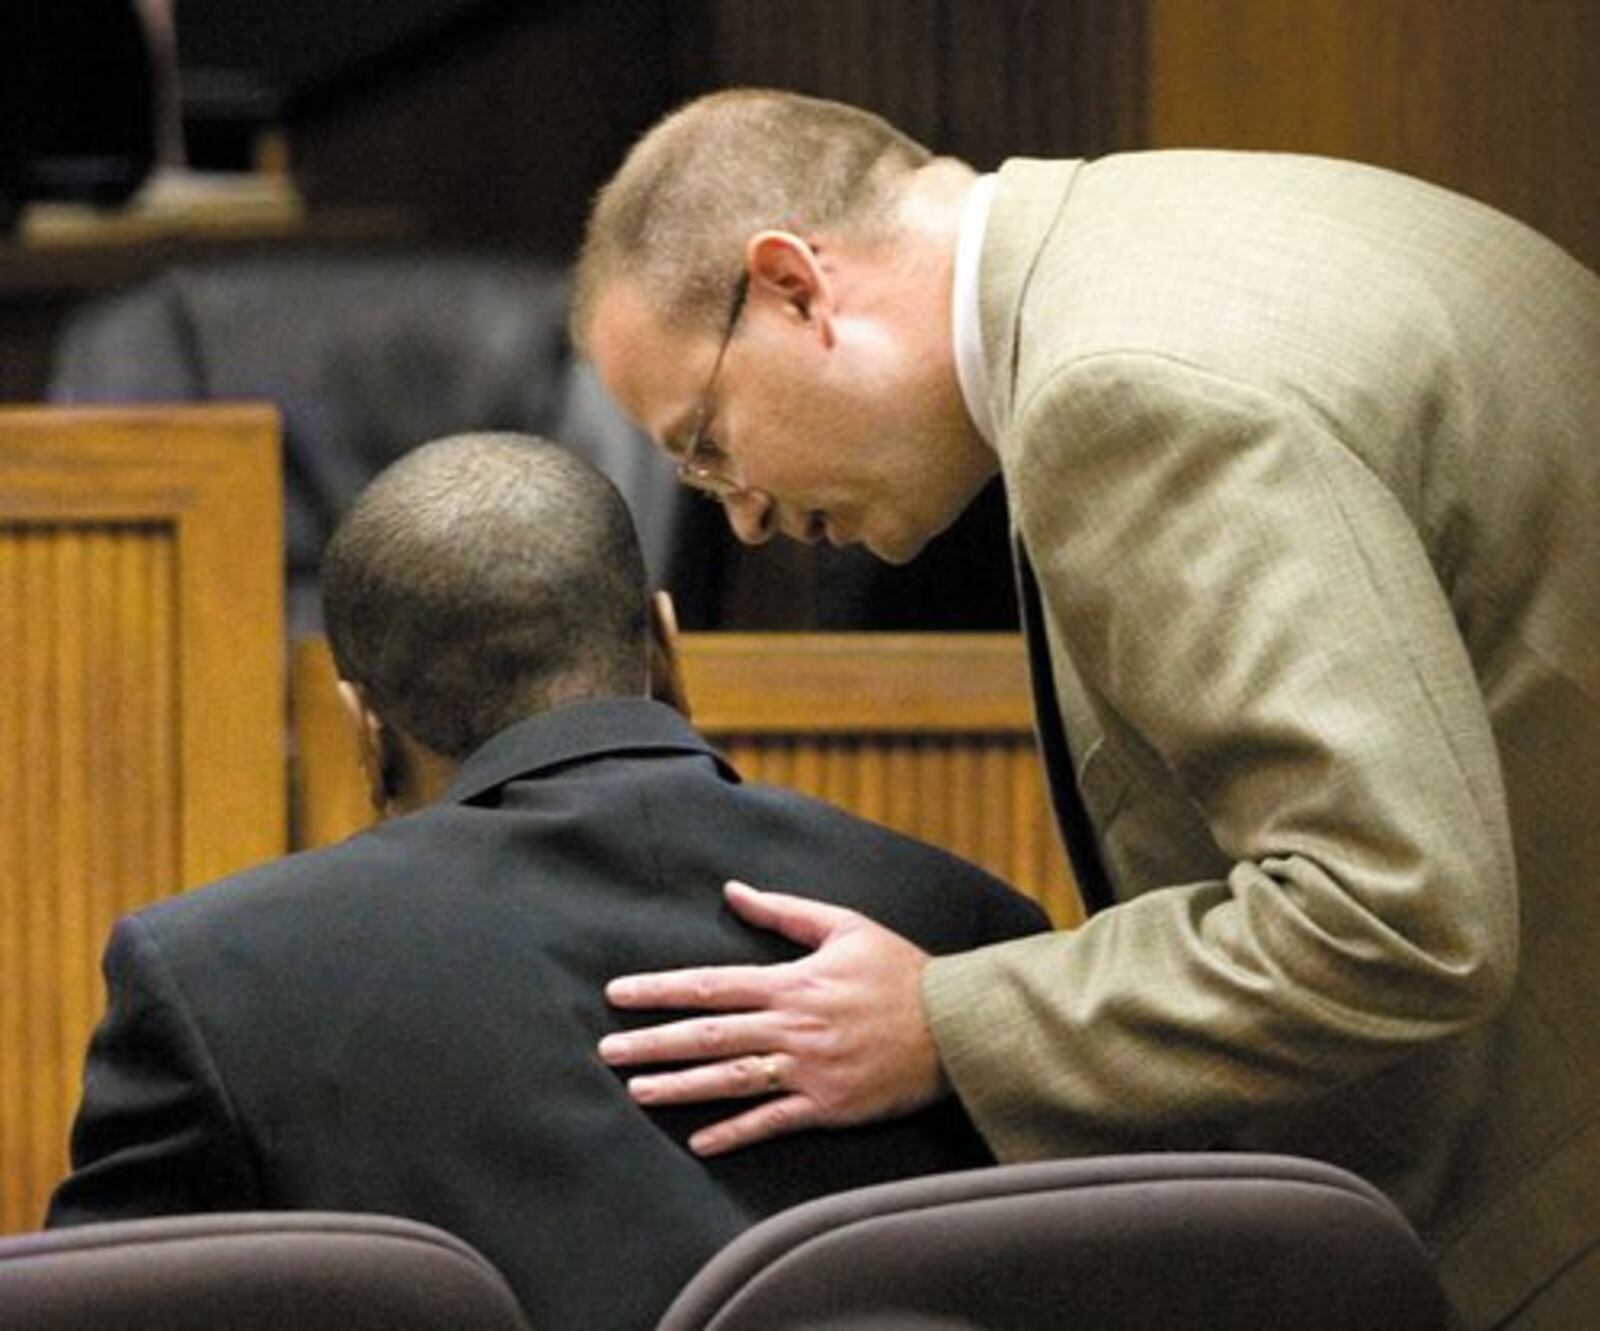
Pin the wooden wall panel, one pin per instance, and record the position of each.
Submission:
(931, 734)
(981, 798)
(1495, 98)
(140, 716)
(84, 723)
(981, 79)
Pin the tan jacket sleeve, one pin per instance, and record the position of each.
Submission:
(1253, 610)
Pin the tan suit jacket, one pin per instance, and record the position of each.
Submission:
(1306, 457)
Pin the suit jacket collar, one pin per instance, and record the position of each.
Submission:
(1029, 198)
(578, 732)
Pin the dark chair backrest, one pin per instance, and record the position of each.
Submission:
(1181, 1242)
(312, 1271)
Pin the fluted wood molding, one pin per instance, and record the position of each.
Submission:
(141, 706)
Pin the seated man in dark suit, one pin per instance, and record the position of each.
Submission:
(405, 1022)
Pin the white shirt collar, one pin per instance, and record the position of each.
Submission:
(972, 370)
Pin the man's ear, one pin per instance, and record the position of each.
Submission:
(784, 265)
(372, 745)
(666, 670)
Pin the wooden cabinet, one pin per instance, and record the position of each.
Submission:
(141, 715)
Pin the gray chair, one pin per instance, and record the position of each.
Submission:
(308, 1271)
(1176, 1242)
(1202, 1242)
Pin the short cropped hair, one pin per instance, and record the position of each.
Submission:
(676, 216)
(481, 579)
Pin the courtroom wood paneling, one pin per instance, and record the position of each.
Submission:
(979, 79)
(931, 734)
(853, 682)
(140, 715)
(1495, 98)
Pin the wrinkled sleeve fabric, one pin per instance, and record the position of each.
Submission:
(155, 1133)
(1249, 601)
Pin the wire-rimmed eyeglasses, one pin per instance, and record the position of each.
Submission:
(700, 461)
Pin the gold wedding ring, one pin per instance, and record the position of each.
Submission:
(769, 1066)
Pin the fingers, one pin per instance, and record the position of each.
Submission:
(774, 1118)
(799, 919)
(736, 1078)
(835, 1037)
(692, 1038)
(733, 1079)
(709, 988)
(727, 988)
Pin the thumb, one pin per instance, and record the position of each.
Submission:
(799, 919)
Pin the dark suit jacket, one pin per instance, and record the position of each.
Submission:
(405, 1023)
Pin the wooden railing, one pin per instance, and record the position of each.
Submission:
(141, 706)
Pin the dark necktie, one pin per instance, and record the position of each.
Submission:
(1093, 886)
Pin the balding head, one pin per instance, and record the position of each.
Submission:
(675, 219)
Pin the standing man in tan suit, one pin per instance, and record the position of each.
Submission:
(1303, 460)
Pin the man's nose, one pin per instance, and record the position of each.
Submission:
(752, 515)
